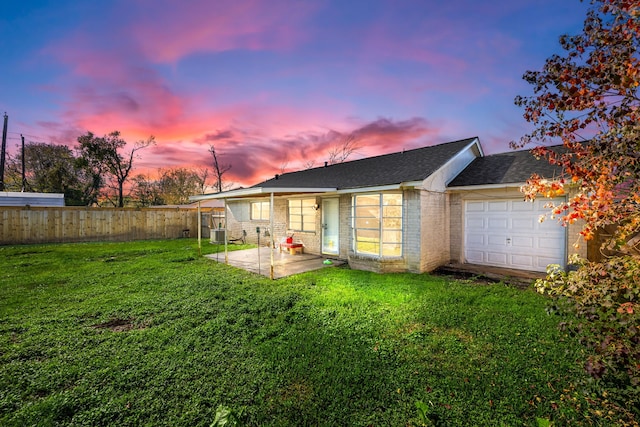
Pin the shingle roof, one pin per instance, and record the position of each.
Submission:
(395, 168)
(505, 168)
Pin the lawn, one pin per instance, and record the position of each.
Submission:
(149, 333)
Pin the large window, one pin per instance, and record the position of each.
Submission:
(302, 214)
(260, 210)
(377, 224)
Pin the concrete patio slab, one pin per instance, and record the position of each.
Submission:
(258, 260)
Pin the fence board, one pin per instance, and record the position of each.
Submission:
(21, 225)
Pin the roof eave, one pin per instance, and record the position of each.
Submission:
(260, 191)
(486, 186)
(378, 188)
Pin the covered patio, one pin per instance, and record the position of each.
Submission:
(258, 260)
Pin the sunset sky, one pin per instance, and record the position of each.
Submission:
(274, 84)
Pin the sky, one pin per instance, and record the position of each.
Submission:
(274, 85)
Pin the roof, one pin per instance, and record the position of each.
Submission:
(395, 168)
(513, 167)
(14, 198)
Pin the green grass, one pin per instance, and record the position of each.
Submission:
(148, 333)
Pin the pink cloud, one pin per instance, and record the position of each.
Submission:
(167, 30)
(256, 156)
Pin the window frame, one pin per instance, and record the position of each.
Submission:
(373, 223)
(265, 214)
(297, 208)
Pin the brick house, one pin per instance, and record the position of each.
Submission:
(412, 211)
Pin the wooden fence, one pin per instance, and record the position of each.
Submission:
(20, 225)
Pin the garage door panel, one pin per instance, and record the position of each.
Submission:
(475, 257)
(549, 225)
(523, 223)
(476, 239)
(499, 258)
(475, 223)
(507, 233)
(550, 243)
(522, 206)
(523, 261)
(475, 207)
(502, 206)
(498, 224)
(496, 240)
(522, 242)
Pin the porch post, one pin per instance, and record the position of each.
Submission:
(199, 230)
(226, 225)
(271, 234)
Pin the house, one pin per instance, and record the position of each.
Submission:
(412, 211)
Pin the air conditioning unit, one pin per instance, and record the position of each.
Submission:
(217, 235)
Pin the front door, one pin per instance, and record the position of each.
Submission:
(330, 226)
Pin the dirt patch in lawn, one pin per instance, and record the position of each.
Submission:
(120, 325)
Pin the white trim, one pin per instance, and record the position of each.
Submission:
(475, 142)
(26, 195)
(485, 187)
(379, 188)
(259, 191)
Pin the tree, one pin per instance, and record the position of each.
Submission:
(104, 154)
(51, 168)
(146, 192)
(341, 151)
(587, 99)
(177, 184)
(592, 90)
(219, 169)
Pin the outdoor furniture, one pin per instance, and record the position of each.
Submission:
(242, 239)
(294, 248)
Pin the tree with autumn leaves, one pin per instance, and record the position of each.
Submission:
(587, 99)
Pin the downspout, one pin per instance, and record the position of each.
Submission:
(199, 230)
(271, 235)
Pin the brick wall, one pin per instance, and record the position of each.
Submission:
(456, 226)
(435, 236)
(239, 218)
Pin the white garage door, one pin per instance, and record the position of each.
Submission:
(507, 233)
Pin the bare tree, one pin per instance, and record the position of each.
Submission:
(203, 175)
(342, 149)
(283, 167)
(219, 169)
(104, 155)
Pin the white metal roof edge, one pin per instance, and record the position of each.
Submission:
(28, 194)
(389, 187)
(486, 186)
(259, 191)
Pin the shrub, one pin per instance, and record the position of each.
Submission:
(604, 298)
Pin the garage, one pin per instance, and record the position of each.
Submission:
(507, 233)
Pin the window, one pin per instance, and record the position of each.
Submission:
(302, 215)
(377, 224)
(260, 210)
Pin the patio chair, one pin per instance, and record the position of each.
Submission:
(242, 239)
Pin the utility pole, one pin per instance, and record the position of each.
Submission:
(24, 175)
(4, 151)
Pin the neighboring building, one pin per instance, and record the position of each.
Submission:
(14, 198)
(412, 211)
